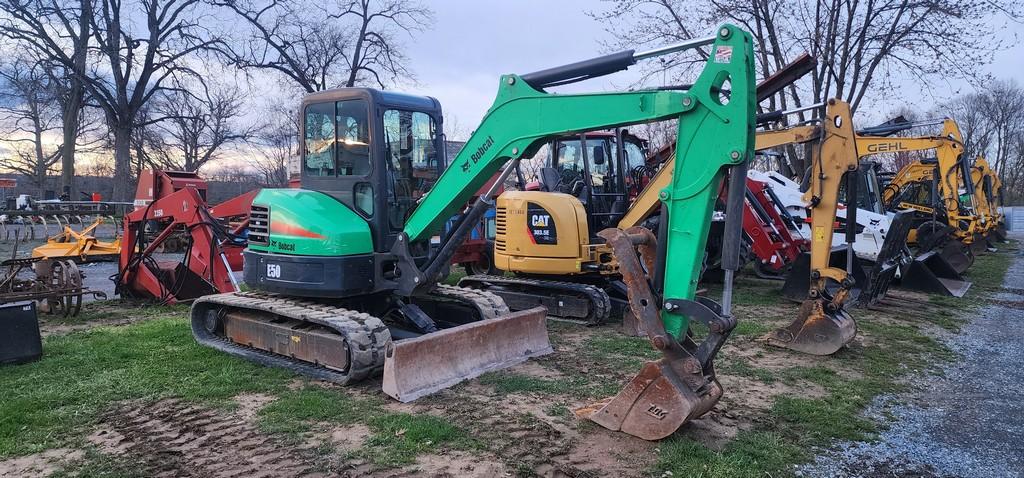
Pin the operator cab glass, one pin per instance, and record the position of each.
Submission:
(376, 152)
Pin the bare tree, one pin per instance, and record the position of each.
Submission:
(861, 45)
(138, 47)
(56, 28)
(992, 123)
(199, 121)
(336, 43)
(29, 119)
(277, 146)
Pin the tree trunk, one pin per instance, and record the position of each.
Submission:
(122, 164)
(72, 111)
(76, 96)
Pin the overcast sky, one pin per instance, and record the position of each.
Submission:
(472, 43)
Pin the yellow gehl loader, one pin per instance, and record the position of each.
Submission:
(931, 188)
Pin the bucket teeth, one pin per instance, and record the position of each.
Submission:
(815, 331)
(654, 404)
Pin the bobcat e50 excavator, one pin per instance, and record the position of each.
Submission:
(930, 188)
(346, 283)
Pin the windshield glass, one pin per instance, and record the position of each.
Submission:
(337, 139)
(411, 158)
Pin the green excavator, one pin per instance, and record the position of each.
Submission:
(344, 276)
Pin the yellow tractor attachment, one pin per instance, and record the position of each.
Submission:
(80, 246)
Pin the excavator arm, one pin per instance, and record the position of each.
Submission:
(523, 118)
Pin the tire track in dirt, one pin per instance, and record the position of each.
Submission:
(521, 440)
(174, 439)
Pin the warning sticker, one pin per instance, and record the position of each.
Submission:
(723, 54)
(819, 234)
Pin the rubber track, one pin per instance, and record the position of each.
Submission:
(601, 304)
(366, 336)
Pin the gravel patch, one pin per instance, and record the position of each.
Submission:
(967, 421)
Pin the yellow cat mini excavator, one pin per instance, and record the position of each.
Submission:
(345, 278)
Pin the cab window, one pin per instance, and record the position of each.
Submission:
(411, 159)
(337, 139)
(319, 139)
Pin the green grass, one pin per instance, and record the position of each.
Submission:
(741, 367)
(48, 402)
(399, 437)
(508, 382)
(295, 411)
(750, 454)
(749, 328)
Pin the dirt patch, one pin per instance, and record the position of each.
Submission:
(249, 404)
(535, 369)
(170, 438)
(606, 453)
(40, 464)
(97, 315)
(349, 437)
(455, 464)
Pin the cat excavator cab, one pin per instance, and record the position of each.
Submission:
(345, 277)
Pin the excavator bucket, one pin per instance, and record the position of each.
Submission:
(929, 272)
(682, 385)
(957, 255)
(979, 244)
(423, 365)
(999, 233)
(816, 331)
(654, 404)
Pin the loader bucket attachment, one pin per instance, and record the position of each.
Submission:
(957, 255)
(798, 279)
(431, 362)
(882, 272)
(816, 331)
(929, 272)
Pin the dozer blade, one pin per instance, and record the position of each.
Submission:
(428, 363)
(957, 255)
(816, 331)
(929, 272)
(654, 404)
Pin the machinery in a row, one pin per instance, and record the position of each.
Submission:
(930, 188)
(345, 275)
